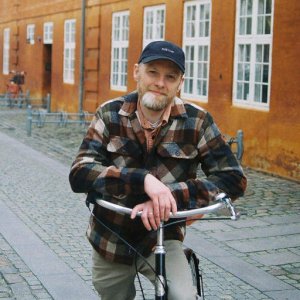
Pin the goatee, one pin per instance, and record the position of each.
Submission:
(152, 102)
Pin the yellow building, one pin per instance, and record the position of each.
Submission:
(242, 61)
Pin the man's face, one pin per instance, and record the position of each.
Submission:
(157, 83)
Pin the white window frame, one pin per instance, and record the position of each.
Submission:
(48, 33)
(30, 34)
(154, 24)
(196, 45)
(253, 56)
(119, 51)
(69, 51)
(6, 48)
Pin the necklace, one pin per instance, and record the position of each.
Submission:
(155, 124)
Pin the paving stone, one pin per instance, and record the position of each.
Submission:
(276, 258)
(260, 244)
(268, 231)
(49, 210)
(285, 295)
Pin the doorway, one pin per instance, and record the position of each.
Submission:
(47, 63)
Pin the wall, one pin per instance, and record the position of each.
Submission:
(30, 58)
(271, 138)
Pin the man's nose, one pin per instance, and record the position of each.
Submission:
(160, 81)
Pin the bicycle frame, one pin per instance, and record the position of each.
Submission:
(161, 289)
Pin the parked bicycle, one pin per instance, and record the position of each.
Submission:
(221, 201)
(14, 91)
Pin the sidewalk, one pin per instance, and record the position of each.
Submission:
(44, 253)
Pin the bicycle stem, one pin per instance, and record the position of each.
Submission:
(160, 267)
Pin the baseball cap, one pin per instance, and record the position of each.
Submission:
(163, 50)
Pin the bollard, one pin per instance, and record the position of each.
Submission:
(48, 101)
(240, 144)
(29, 120)
(27, 98)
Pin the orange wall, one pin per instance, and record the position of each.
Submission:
(271, 138)
(30, 57)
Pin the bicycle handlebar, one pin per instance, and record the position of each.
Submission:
(223, 201)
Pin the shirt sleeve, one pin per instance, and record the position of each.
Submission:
(222, 171)
(92, 170)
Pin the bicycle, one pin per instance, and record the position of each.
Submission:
(14, 91)
(222, 201)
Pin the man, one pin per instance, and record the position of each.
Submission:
(142, 150)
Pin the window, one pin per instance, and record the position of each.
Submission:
(154, 24)
(120, 37)
(69, 51)
(30, 33)
(253, 47)
(48, 33)
(6, 37)
(196, 45)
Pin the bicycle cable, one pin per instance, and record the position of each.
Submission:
(195, 219)
(137, 253)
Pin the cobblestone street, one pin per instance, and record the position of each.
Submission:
(42, 226)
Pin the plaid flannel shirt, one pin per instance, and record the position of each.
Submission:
(113, 161)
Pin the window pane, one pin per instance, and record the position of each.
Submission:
(260, 25)
(267, 25)
(261, 7)
(257, 93)
(249, 25)
(239, 91)
(204, 20)
(120, 38)
(246, 91)
(264, 93)
(249, 7)
(266, 53)
(116, 28)
(258, 73)
(190, 21)
(259, 53)
(268, 6)
(265, 74)
(242, 26)
(243, 7)
(240, 72)
(245, 17)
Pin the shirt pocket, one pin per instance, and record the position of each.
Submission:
(124, 152)
(177, 150)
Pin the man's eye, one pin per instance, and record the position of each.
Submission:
(171, 77)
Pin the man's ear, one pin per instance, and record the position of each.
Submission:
(135, 72)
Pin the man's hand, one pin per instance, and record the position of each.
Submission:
(159, 206)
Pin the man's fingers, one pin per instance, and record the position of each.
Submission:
(135, 210)
(156, 211)
(173, 206)
(148, 220)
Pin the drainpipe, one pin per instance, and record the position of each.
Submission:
(82, 46)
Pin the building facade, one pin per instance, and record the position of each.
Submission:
(242, 61)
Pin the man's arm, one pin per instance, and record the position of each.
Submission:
(222, 169)
(92, 169)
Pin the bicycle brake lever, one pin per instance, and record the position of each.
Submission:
(222, 197)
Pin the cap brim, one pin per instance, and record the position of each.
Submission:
(157, 57)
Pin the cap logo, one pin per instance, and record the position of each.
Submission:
(167, 50)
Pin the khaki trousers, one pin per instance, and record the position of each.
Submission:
(115, 281)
